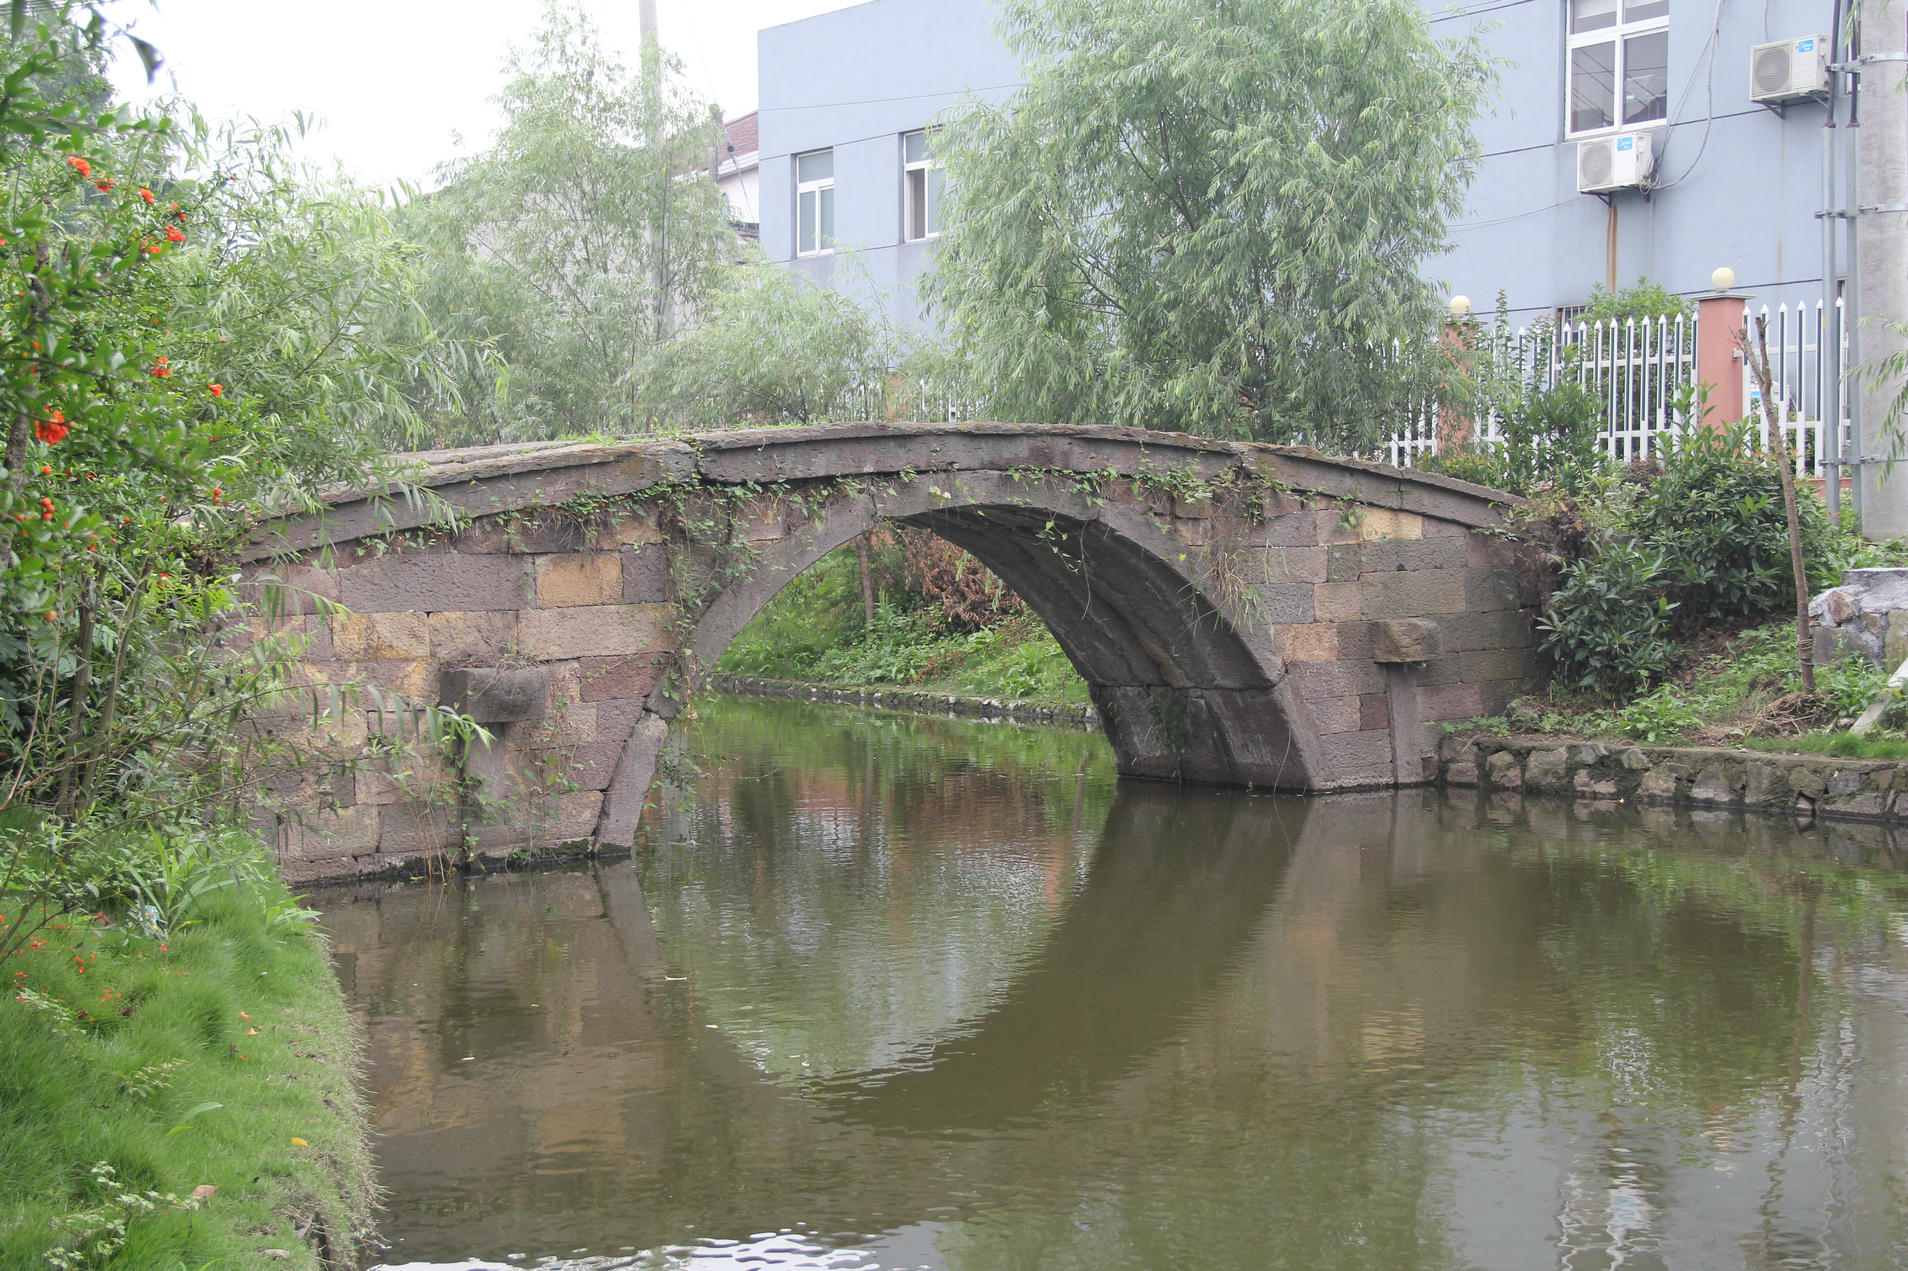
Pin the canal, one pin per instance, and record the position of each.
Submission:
(882, 991)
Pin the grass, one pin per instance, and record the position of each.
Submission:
(1744, 691)
(218, 1055)
(815, 631)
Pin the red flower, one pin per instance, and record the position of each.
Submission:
(104, 184)
(145, 194)
(217, 390)
(52, 431)
(162, 370)
(173, 234)
(80, 165)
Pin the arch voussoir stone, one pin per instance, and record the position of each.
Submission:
(1246, 615)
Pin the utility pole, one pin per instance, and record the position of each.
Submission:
(1881, 256)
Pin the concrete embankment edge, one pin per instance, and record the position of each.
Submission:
(1806, 786)
(945, 704)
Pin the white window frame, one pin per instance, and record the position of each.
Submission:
(822, 190)
(1616, 35)
(927, 165)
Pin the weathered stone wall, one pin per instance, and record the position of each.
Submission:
(1677, 776)
(1243, 615)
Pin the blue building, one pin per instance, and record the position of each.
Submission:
(849, 187)
(1587, 87)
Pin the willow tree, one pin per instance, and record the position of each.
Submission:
(1208, 215)
(582, 239)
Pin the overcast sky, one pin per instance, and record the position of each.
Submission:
(393, 83)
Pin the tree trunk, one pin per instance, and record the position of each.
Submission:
(867, 585)
(1758, 359)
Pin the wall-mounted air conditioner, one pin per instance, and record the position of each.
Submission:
(1789, 69)
(1621, 161)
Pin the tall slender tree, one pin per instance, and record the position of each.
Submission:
(1208, 214)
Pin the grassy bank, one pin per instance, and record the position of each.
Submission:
(816, 629)
(1726, 689)
(180, 1098)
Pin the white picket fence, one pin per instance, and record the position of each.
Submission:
(1643, 370)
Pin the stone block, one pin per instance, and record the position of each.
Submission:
(418, 829)
(1452, 701)
(566, 729)
(331, 834)
(1548, 769)
(579, 578)
(1434, 553)
(764, 520)
(1390, 523)
(1712, 786)
(496, 695)
(1592, 752)
(1498, 664)
(1461, 774)
(629, 677)
(290, 589)
(373, 636)
(1405, 640)
(1589, 785)
(1503, 772)
(1356, 759)
(1300, 529)
(472, 635)
(1484, 551)
(628, 530)
(1374, 711)
(1344, 562)
(1309, 642)
(1634, 759)
(1319, 680)
(1486, 590)
(1338, 602)
(1193, 533)
(1381, 557)
(1658, 786)
(645, 575)
(1496, 629)
(1414, 593)
(1295, 564)
(596, 630)
(1335, 714)
(1287, 602)
(1895, 642)
(403, 581)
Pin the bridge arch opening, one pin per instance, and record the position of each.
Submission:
(1182, 692)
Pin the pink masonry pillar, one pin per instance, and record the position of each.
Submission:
(1718, 360)
(1460, 337)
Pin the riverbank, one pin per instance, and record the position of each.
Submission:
(184, 1098)
(921, 701)
(1771, 782)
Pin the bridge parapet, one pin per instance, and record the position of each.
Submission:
(1246, 615)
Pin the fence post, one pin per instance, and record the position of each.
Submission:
(1718, 362)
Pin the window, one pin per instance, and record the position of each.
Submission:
(814, 202)
(1619, 63)
(921, 177)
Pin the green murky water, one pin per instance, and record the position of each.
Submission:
(890, 992)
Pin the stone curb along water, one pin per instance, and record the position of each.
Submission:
(926, 703)
(1679, 776)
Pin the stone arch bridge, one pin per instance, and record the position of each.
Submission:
(1245, 615)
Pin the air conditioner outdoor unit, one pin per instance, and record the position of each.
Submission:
(1789, 69)
(1621, 161)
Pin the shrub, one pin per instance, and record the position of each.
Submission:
(1714, 511)
(1606, 628)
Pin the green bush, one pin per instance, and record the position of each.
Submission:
(1714, 511)
(1606, 628)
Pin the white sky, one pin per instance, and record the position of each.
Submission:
(392, 83)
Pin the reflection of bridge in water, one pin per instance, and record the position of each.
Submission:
(1290, 977)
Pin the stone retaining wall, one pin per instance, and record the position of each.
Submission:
(1683, 776)
(900, 699)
